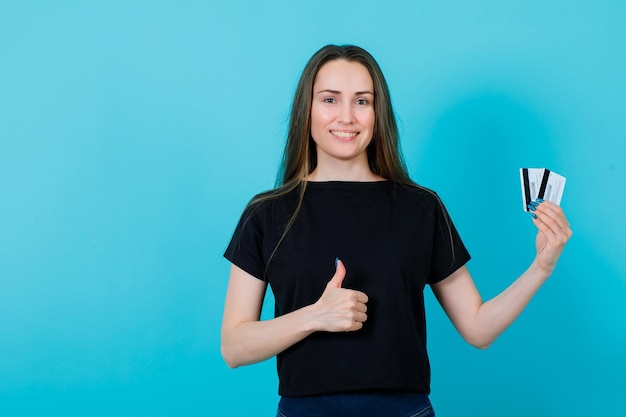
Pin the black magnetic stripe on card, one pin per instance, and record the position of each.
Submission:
(526, 188)
(544, 183)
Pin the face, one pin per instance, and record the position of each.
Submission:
(342, 112)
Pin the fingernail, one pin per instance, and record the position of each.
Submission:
(540, 200)
(336, 262)
(534, 203)
(534, 215)
(531, 207)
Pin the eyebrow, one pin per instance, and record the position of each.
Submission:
(337, 92)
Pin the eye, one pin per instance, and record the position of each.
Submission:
(330, 100)
(362, 101)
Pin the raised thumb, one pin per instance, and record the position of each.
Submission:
(340, 273)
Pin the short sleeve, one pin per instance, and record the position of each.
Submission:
(245, 249)
(449, 252)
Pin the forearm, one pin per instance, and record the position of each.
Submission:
(480, 323)
(247, 340)
(496, 315)
(255, 341)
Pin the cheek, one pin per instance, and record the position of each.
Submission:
(369, 119)
(321, 114)
(319, 119)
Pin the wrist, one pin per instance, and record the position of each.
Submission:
(540, 269)
(310, 323)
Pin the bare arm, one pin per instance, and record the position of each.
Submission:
(245, 339)
(480, 323)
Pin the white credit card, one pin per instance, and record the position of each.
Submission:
(541, 183)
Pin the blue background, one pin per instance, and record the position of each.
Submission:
(133, 133)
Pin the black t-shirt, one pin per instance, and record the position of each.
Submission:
(393, 240)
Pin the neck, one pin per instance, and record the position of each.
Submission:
(343, 171)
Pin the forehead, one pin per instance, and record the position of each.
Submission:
(342, 75)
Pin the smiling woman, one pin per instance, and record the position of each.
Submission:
(351, 339)
(342, 119)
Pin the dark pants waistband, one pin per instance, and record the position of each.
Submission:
(391, 404)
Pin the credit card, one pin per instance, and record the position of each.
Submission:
(541, 183)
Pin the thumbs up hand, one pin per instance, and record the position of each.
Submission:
(340, 309)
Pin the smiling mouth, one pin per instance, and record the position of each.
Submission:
(344, 135)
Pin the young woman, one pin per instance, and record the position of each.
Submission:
(347, 243)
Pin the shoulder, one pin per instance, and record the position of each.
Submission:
(416, 194)
(271, 200)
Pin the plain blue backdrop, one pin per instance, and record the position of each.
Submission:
(132, 134)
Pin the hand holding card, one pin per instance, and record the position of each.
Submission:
(541, 183)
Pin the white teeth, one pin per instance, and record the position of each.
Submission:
(344, 134)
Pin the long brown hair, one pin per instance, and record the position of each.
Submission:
(300, 154)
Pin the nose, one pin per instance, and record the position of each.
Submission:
(347, 113)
